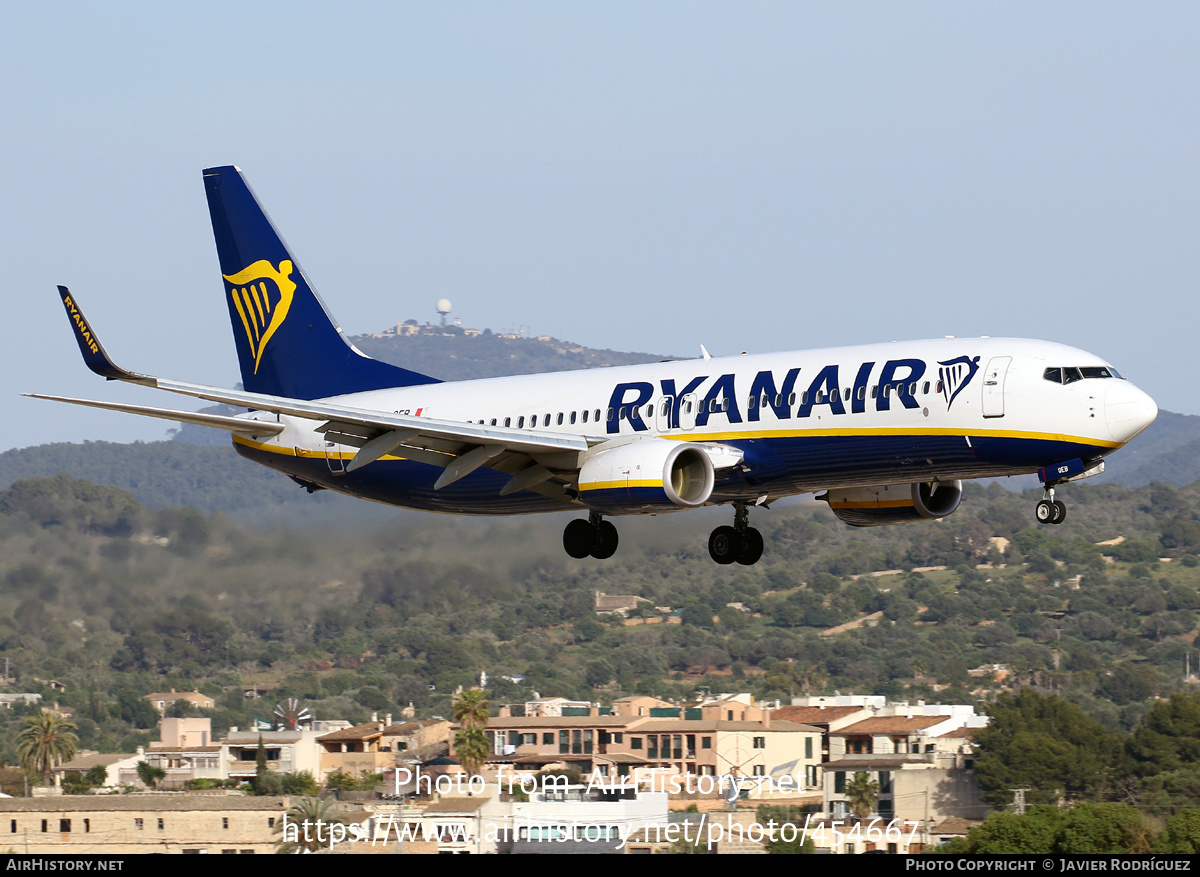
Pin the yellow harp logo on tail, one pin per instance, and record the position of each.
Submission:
(262, 295)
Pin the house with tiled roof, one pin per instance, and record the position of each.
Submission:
(922, 759)
(671, 742)
(375, 746)
(417, 739)
(163, 700)
(115, 765)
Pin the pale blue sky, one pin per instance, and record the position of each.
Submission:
(751, 176)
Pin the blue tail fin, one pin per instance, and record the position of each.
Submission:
(287, 343)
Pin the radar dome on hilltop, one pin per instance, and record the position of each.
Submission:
(443, 306)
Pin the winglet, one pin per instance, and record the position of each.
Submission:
(94, 354)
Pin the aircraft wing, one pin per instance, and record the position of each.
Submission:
(460, 448)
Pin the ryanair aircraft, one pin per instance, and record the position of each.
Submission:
(884, 432)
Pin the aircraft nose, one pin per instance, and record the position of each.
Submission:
(1127, 410)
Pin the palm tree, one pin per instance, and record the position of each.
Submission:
(472, 709)
(862, 792)
(46, 741)
(318, 813)
(472, 749)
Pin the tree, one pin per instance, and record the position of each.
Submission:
(46, 741)
(1182, 834)
(863, 793)
(150, 775)
(1032, 833)
(1048, 745)
(472, 748)
(306, 825)
(1169, 737)
(1104, 828)
(471, 710)
(1084, 828)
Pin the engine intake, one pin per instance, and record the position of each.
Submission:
(656, 475)
(894, 504)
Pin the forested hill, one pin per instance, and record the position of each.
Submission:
(451, 354)
(114, 600)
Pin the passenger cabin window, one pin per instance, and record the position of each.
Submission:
(585, 414)
(508, 421)
(573, 416)
(597, 418)
(546, 422)
(520, 423)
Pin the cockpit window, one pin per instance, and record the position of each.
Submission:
(1071, 374)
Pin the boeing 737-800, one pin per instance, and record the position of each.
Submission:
(885, 433)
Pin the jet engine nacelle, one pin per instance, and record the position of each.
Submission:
(894, 504)
(655, 475)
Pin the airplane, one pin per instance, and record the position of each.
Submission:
(884, 433)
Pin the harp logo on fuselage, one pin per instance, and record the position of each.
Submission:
(262, 295)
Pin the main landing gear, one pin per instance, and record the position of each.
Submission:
(595, 536)
(1050, 510)
(740, 543)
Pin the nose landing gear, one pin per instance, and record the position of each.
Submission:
(595, 536)
(1050, 510)
(740, 543)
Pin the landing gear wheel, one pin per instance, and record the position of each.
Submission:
(724, 545)
(606, 540)
(1060, 512)
(1045, 512)
(752, 547)
(578, 538)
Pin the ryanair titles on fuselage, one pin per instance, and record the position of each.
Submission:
(878, 388)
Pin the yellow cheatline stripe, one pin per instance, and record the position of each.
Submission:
(873, 504)
(608, 485)
(305, 453)
(893, 433)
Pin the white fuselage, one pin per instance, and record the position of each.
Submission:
(808, 420)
